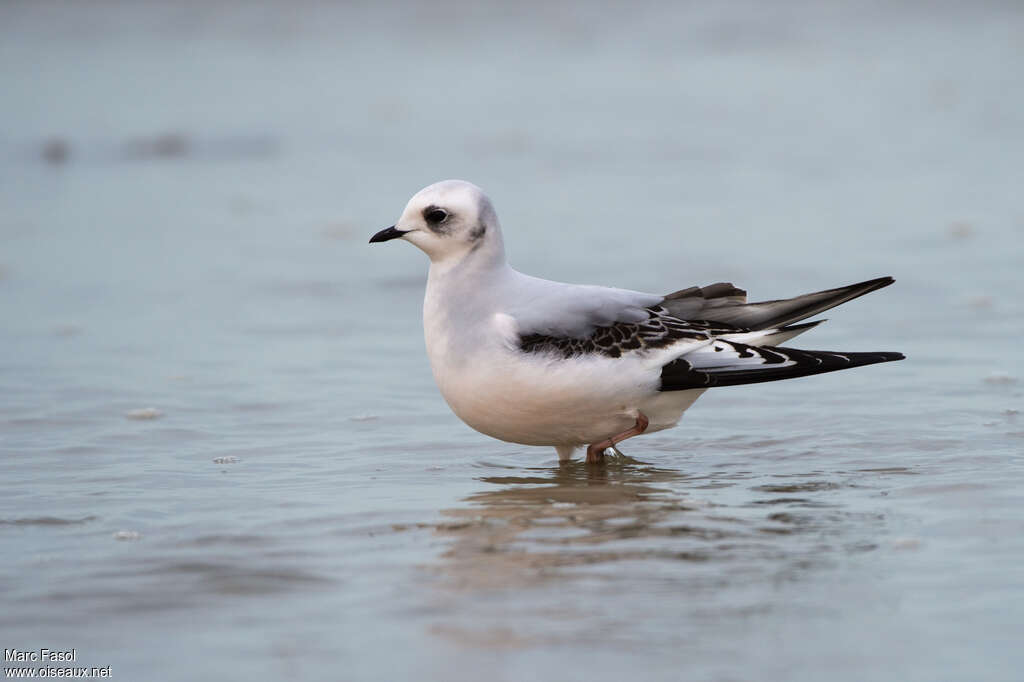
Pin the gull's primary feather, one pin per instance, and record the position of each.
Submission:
(727, 304)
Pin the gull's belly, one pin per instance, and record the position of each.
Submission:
(531, 414)
(536, 400)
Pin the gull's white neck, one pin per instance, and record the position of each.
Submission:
(453, 281)
(457, 298)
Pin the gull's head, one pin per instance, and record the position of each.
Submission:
(448, 220)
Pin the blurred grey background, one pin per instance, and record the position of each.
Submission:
(223, 453)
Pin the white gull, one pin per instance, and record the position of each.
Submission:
(531, 361)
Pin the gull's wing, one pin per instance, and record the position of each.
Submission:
(571, 311)
(657, 330)
(725, 303)
(713, 350)
(576, 311)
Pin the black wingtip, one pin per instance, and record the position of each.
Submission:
(878, 283)
(811, 304)
(801, 327)
(878, 356)
(865, 287)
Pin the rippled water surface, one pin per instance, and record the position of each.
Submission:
(223, 454)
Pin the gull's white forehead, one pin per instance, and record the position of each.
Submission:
(448, 192)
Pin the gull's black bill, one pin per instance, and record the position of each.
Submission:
(386, 234)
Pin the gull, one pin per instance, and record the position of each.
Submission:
(537, 362)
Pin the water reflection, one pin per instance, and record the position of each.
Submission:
(556, 554)
(532, 527)
(544, 524)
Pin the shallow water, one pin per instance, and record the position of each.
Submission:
(223, 453)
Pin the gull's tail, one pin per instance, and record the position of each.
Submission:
(730, 363)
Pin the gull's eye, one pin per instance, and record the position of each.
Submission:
(435, 216)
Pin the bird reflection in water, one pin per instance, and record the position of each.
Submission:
(529, 528)
(557, 554)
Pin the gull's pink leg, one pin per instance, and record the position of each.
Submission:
(595, 452)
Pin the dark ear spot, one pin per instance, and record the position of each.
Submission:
(479, 230)
(436, 219)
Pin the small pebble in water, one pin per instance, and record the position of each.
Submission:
(979, 302)
(229, 459)
(906, 543)
(144, 413)
(56, 151)
(960, 229)
(127, 535)
(163, 146)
